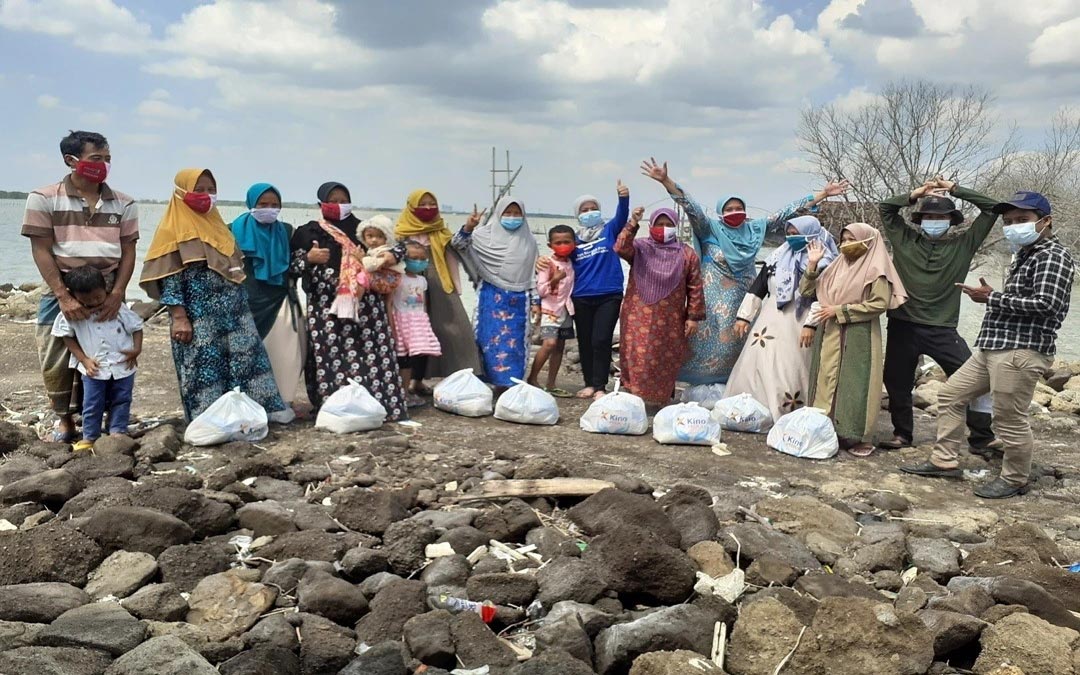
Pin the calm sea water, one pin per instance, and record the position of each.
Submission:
(18, 266)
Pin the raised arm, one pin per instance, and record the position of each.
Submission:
(624, 245)
(980, 228)
(831, 189)
(462, 239)
(699, 220)
(622, 212)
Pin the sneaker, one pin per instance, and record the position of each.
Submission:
(83, 445)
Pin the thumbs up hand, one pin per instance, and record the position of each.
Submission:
(621, 189)
(318, 256)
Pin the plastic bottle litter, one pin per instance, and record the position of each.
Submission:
(485, 609)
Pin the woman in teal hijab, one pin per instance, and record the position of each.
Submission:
(264, 240)
(728, 246)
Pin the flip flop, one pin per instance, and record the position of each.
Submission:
(861, 450)
(57, 436)
(558, 392)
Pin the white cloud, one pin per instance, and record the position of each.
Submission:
(47, 101)
(96, 25)
(282, 34)
(1057, 45)
(157, 111)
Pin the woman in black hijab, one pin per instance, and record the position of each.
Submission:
(349, 332)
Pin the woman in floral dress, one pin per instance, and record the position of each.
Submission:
(662, 307)
(195, 268)
(349, 334)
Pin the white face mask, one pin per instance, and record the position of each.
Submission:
(934, 227)
(1022, 234)
(265, 215)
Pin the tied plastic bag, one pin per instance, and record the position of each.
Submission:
(350, 409)
(616, 413)
(743, 412)
(685, 424)
(807, 432)
(705, 395)
(235, 416)
(463, 393)
(526, 404)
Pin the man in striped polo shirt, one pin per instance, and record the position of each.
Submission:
(78, 221)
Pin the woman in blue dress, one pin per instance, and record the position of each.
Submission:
(728, 247)
(195, 268)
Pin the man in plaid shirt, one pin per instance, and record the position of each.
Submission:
(1016, 347)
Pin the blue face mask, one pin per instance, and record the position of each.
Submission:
(590, 219)
(512, 223)
(1022, 234)
(934, 228)
(796, 242)
(416, 266)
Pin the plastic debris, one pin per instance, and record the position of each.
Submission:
(485, 609)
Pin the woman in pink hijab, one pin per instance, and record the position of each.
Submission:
(663, 304)
(853, 292)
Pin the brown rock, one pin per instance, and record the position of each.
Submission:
(225, 605)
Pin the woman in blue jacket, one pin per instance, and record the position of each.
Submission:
(598, 287)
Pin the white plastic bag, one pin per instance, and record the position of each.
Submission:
(743, 412)
(463, 393)
(526, 404)
(807, 432)
(235, 416)
(705, 395)
(616, 413)
(349, 409)
(685, 424)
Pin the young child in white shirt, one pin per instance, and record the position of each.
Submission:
(104, 352)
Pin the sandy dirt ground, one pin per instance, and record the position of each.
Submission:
(446, 447)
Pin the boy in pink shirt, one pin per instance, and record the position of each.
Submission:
(554, 285)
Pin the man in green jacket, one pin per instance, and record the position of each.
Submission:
(930, 264)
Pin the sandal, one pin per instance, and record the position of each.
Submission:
(861, 450)
(420, 390)
(558, 392)
(587, 392)
(83, 446)
(414, 401)
(896, 443)
(57, 436)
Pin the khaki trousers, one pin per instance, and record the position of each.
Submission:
(1010, 375)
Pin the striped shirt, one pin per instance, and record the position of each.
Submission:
(80, 238)
(1031, 309)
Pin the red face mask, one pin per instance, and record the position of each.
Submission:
(661, 234)
(95, 172)
(332, 211)
(426, 213)
(199, 202)
(735, 218)
(564, 250)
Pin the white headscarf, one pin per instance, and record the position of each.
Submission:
(502, 257)
(587, 234)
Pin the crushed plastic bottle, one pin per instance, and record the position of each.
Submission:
(485, 609)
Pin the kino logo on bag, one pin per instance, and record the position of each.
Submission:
(796, 443)
(691, 426)
(612, 423)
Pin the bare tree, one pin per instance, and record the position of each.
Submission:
(911, 131)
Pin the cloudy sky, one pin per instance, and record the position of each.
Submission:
(389, 96)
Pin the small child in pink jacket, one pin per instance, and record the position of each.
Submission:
(554, 285)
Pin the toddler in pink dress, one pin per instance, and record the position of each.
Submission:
(415, 339)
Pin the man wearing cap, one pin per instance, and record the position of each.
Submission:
(930, 264)
(1016, 346)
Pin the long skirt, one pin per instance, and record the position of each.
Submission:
(652, 344)
(340, 350)
(773, 368)
(226, 351)
(452, 326)
(285, 345)
(848, 353)
(502, 320)
(715, 349)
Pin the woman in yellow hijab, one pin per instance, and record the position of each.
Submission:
(195, 269)
(422, 221)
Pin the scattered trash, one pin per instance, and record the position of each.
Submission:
(729, 587)
(412, 424)
(438, 550)
(720, 450)
(6, 526)
(485, 609)
(1075, 567)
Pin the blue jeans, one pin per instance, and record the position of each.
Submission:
(100, 396)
